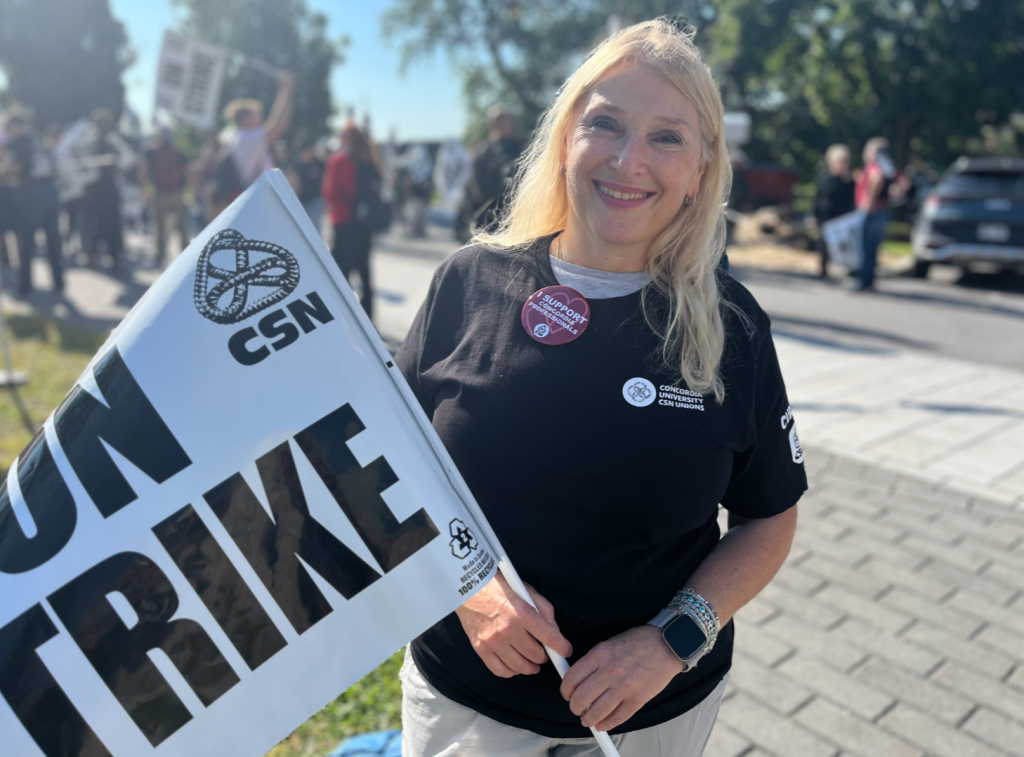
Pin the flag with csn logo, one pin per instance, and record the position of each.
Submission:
(237, 512)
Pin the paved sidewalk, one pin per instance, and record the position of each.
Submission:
(896, 627)
(958, 423)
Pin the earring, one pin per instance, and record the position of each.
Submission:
(688, 200)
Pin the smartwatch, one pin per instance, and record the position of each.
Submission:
(683, 635)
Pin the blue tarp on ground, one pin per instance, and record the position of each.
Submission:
(379, 744)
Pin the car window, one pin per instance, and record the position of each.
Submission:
(985, 184)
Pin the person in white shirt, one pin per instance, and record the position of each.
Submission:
(250, 147)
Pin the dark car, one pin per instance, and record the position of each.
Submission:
(974, 215)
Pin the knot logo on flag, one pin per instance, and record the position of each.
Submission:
(463, 540)
(245, 274)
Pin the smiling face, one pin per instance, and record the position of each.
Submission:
(633, 154)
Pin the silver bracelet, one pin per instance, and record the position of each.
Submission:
(690, 603)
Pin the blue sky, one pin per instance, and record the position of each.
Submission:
(425, 103)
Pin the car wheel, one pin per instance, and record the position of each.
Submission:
(921, 268)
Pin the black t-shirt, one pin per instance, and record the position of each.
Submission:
(835, 197)
(600, 475)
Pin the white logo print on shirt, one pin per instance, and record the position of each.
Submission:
(639, 392)
(794, 440)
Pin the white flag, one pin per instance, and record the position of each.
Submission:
(844, 237)
(238, 511)
(190, 75)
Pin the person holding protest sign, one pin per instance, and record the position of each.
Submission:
(603, 385)
(835, 195)
(247, 154)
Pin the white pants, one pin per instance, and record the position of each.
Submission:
(435, 726)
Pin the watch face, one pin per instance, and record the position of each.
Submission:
(684, 636)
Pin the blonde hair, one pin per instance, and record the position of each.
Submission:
(836, 153)
(238, 108)
(683, 260)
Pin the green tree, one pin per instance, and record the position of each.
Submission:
(927, 74)
(518, 52)
(282, 33)
(63, 59)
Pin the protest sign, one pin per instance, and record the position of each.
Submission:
(237, 512)
(190, 75)
(844, 237)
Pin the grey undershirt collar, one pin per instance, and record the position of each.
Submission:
(597, 285)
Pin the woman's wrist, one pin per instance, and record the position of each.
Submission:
(697, 618)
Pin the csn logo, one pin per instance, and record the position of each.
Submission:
(639, 392)
(263, 275)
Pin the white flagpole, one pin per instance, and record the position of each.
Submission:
(287, 195)
(561, 664)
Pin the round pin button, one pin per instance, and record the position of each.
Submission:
(556, 315)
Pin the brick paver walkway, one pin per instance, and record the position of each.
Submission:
(896, 627)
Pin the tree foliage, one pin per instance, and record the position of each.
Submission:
(63, 59)
(283, 33)
(517, 52)
(927, 74)
(939, 77)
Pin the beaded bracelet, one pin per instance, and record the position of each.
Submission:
(692, 604)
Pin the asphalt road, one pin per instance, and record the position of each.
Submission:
(975, 316)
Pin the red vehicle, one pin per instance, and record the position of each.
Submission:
(756, 184)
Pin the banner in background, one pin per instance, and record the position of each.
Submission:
(237, 512)
(844, 237)
(190, 75)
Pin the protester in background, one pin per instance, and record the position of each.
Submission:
(200, 177)
(103, 196)
(167, 168)
(877, 184)
(8, 215)
(600, 452)
(310, 172)
(249, 148)
(283, 162)
(493, 168)
(35, 199)
(351, 189)
(920, 178)
(835, 194)
(419, 186)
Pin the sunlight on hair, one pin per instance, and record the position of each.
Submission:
(683, 260)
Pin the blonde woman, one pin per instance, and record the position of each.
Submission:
(603, 387)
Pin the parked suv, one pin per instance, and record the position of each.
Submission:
(974, 214)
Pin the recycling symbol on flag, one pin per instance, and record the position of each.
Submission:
(463, 539)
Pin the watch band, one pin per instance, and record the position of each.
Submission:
(663, 618)
(695, 608)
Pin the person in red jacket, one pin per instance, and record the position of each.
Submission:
(350, 179)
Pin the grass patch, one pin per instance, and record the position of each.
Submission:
(372, 704)
(893, 247)
(54, 355)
